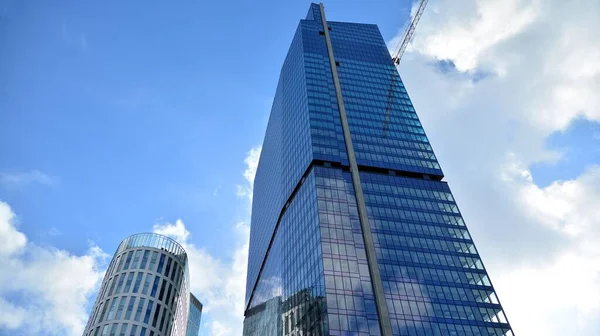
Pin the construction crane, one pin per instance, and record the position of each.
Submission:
(397, 56)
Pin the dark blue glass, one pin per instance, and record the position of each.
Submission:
(148, 311)
(162, 290)
(308, 271)
(168, 268)
(156, 313)
(194, 317)
(160, 263)
(144, 259)
(138, 280)
(155, 286)
(129, 255)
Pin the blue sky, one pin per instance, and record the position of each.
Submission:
(141, 112)
(118, 118)
(580, 145)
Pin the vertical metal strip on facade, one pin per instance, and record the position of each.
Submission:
(380, 301)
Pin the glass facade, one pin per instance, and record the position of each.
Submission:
(195, 314)
(380, 249)
(141, 296)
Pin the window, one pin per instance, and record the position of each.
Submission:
(128, 260)
(143, 332)
(121, 280)
(155, 286)
(113, 330)
(120, 284)
(148, 311)
(120, 263)
(133, 330)
(153, 261)
(168, 268)
(172, 277)
(138, 311)
(105, 330)
(144, 259)
(128, 283)
(97, 313)
(160, 263)
(168, 295)
(174, 296)
(104, 310)
(136, 259)
(112, 310)
(120, 308)
(177, 275)
(146, 283)
(138, 280)
(123, 329)
(162, 290)
(162, 319)
(156, 313)
(130, 307)
(167, 330)
(112, 286)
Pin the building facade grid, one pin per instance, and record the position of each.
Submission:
(195, 315)
(309, 273)
(145, 291)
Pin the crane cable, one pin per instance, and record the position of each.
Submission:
(397, 56)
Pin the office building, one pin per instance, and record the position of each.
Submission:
(145, 291)
(195, 314)
(264, 318)
(354, 231)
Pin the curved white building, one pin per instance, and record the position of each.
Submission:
(145, 291)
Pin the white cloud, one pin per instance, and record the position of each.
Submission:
(562, 295)
(251, 161)
(12, 316)
(548, 48)
(11, 240)
(36, 295)
(475, 28)
(568, 206)
(205, 270)
(24, 179)
(176, 231)
(561, 298)
(543, 60)
(220, 284)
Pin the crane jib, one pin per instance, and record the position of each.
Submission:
(397, 56)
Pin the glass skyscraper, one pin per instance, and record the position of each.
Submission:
(194, 317)
(353, 230)
(145, 291)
